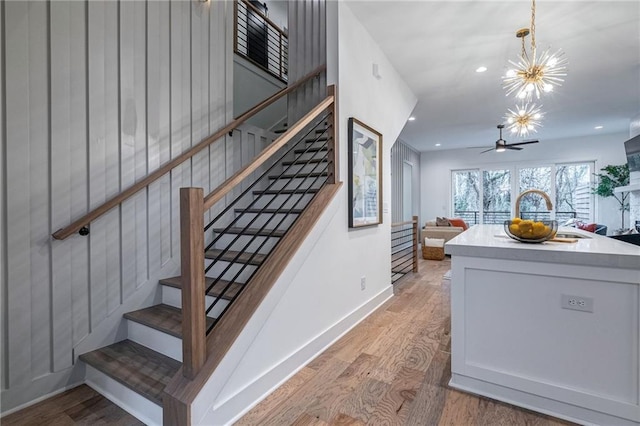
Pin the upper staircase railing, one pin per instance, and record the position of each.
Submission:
(260, 40)
(82, 224)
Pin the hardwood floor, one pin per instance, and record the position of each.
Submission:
(78, 406)
(391, 369)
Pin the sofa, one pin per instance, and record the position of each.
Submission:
(437, 228)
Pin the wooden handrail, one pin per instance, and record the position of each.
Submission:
(226, 187)
(75, 226)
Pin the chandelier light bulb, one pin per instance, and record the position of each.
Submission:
(511, 73)
(524, 119)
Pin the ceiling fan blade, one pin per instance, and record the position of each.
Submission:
(487, 150)
(523, 143)
(512, 147)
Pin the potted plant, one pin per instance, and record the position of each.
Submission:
(613, 177)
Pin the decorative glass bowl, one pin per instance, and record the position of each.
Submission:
(530, 231)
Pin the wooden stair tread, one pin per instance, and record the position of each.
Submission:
(141, 369)
(216, 291)
(270, 211)
(310, 161)
(286, 191)
(276, 233)
(230, 255)
(165, 318)
(298, 175)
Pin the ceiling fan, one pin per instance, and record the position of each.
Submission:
(502, 145)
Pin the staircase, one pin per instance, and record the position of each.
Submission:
(238, 242)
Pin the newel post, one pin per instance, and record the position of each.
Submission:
(416, 240)
(192, 267)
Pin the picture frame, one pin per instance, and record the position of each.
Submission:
(365, 175)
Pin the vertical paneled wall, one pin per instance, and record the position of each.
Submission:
(307, 51)
(97, 94)
(402, 153)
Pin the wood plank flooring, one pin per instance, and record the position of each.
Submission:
(391, 369)
(77, 406)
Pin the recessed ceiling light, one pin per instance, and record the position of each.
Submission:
(437, 144)
(481, 69)
(598, 127)
(412, 118)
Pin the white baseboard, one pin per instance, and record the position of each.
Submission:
(132, 402)
(235, 406)
(537, 403)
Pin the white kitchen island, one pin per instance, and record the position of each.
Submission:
(553, 327)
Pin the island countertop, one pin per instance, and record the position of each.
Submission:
(490, 241)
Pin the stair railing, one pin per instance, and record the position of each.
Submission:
(193, 205)
(81, 225)
(404, 248)
(260, 40)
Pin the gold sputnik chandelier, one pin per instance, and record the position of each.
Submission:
(524, 119)
(533, 73)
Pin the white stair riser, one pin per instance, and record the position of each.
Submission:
(173, 297)
(164, 343)
(245, 243)
(129, 400)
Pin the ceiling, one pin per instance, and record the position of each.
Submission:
(436, 47)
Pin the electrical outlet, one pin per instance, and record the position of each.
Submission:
(363, 283)
(576, 303)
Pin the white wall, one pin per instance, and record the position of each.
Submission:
(98, 94)
(318, 297)
(436, 166)
(252, 85)
(277, 12)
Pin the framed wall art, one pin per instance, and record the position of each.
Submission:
(365, 175)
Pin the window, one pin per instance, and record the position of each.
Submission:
(533, 206)
(496, 196)
(466, 195)
(568, 185)
(573, 192)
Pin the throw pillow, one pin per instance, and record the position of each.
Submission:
(442, 221)
(430, 223)
(591, 227)
(460, 223)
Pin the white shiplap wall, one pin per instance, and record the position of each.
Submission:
(401, 153)
(95, 96)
